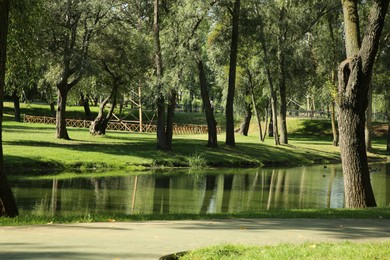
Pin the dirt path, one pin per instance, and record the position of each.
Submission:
(151, 240)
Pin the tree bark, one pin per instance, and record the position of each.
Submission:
(8, 206)
(99, 125)
(204, 92)
(230, 140)
(282, 80)
(354, 81)
(53, 109)
(61, 131)
(16, 100)
(274, 119)
(161, 137)
(244, 128)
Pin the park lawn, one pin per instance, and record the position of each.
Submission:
(322, 250)
(34, 147)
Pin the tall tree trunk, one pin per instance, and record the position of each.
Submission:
(283, 102)
(204, 92)
(354, 81)
(368, 125)
(274, 118)
(282, 78)
(170, 114)
(161, 137)
(8, 206)
(16, 100)
(230, 140)
(61, 131)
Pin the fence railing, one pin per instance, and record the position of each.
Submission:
(128, 126)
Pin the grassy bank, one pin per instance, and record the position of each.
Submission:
(369, 213)
(33, 146)
(345, 250)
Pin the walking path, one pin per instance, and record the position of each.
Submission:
(153, 239)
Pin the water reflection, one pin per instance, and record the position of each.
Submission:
(225, 191)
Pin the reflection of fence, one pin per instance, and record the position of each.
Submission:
(120, 125)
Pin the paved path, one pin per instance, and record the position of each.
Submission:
(151, 240)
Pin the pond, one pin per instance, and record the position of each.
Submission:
(217, 191)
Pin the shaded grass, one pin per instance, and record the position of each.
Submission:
(33, 147)
(345, 250)
(369, 213)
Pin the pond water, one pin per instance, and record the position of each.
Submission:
(217, 191)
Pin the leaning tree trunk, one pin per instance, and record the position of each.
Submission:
(230, 140)
(8, 206)
(353, 103)
(99, 125)
(61, 132)
(211, 122)
(16, 100)
(354, 81)
(244, 128)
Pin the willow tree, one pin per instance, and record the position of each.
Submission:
(7, 201)
(70, 32)
(354, 83)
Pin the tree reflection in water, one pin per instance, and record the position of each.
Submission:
(218, 191)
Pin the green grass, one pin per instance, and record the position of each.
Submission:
(369, 213)
(33, 147)
(345, 250)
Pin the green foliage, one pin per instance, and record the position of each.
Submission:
(197, 160)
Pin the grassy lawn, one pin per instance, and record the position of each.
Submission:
(345, 250)
(368, 213)
(33, 146)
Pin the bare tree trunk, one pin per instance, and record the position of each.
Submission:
(211, 122)
(354, 81)
(230, 140)
(274, 118)
(61, 131)
(99, 125)
(8, 206)
(244, 128)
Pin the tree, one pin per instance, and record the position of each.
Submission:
(354, 82)
(73, 24)
(7, 201)
(230, 140)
